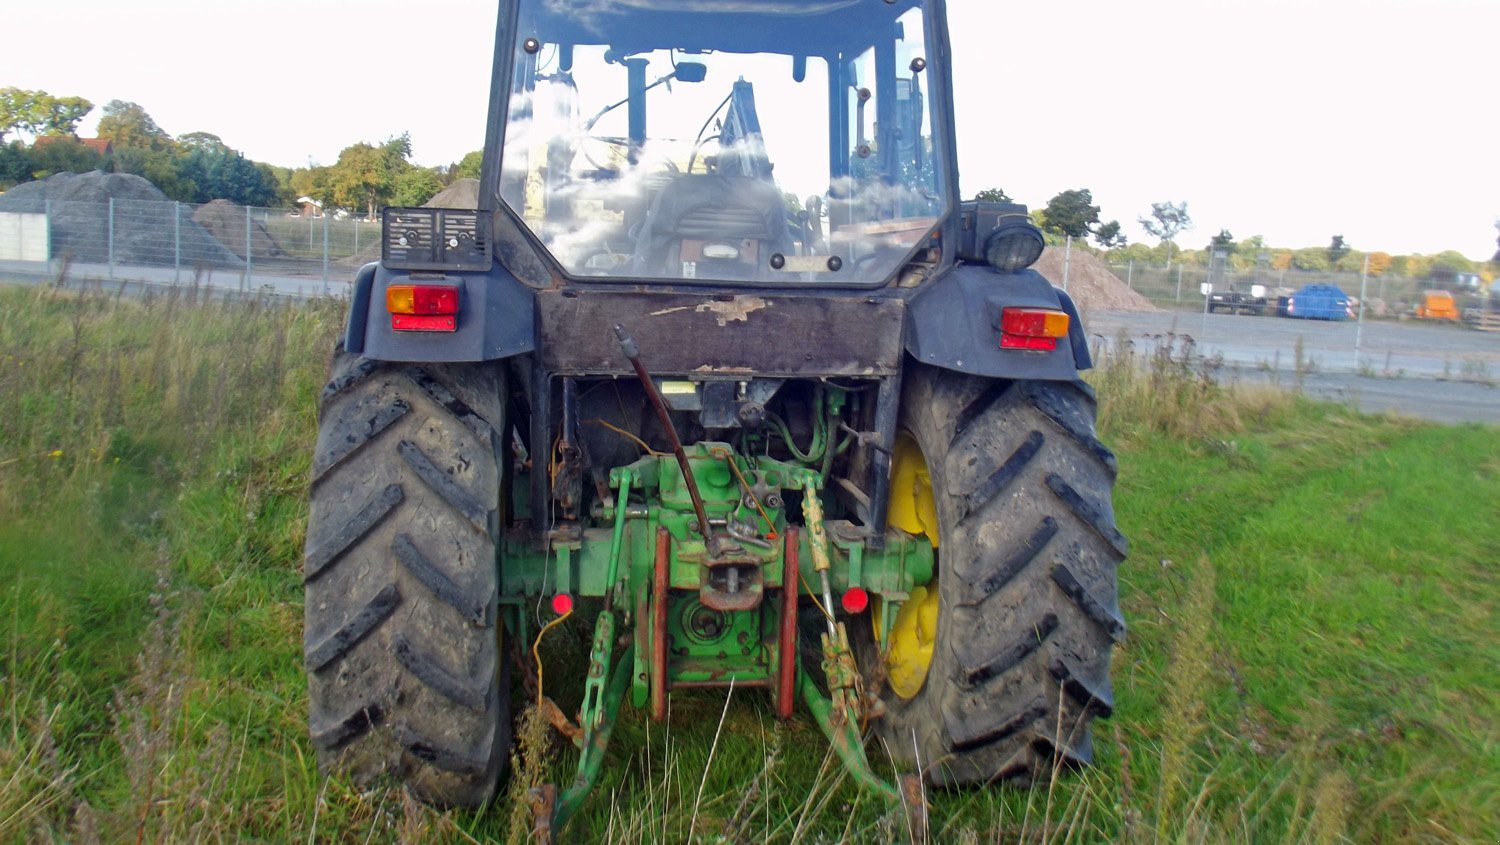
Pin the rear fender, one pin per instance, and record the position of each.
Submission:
(954, 324)
(496, 318)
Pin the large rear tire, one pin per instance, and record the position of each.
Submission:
(1026, 598)
(403, 664)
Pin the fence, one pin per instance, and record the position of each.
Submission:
(171, 242)
(1180, 286)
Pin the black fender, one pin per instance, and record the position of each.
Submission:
(954, 323)
(496, 318)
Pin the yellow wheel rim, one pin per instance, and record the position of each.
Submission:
(914, 630)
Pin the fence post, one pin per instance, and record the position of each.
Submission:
(1067, 259)
(47, 211)
(249, 253)
(110, 236)
(1359, 328)
(176, 242)
(325, 255)
(1130, 275)
(1179, 282)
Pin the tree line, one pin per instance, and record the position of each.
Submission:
(1072, 214)
(197, 167)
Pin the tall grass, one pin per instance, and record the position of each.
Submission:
(1311, 595)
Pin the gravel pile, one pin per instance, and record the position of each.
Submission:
(144, 230)
(226, 222)
(1090, 282)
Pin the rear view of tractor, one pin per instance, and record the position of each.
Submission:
(721, 365)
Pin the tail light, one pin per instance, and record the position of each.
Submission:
(422, 308)
(1034, 329)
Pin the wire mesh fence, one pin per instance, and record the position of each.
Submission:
(1181, 286)
(172, 242)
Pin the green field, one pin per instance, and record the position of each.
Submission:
(1314, 650)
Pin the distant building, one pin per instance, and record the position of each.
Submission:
(102, 146)
(310, 207)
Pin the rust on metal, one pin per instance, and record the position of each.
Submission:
(557, 719)
(786, 665)
(543, 803)
(916, 807)
(659, 624)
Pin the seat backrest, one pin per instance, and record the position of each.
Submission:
(712, 227)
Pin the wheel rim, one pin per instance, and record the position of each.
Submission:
(914, 630)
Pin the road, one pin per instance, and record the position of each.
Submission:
(1446, 373)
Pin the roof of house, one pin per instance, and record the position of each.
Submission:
(103, 146)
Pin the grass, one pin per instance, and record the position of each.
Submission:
(1311, 595)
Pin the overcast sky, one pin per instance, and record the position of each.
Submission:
(1293, 119)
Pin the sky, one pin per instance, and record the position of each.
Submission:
(1292, 119)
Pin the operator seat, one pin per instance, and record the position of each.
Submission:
(712, 227)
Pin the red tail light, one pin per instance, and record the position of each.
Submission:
(1032, 328)
(422, 308)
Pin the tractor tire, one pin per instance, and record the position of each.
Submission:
(404, 670)
(1027, 598)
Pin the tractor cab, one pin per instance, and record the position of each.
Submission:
(776, 142)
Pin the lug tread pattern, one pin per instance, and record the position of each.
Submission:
(976, 674)
(1095, 698)
(357, 437)
(351, 632)
(1071, 419)
(430, 751)
(472, 604)
(321, 556)
(1089, 513)
(1009, 566)
(442, 484)
(1105, 616)
(1006, 474)
(357, 724)
(474, 696)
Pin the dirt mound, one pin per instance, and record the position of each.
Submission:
(461, 194)
(1090, 282)
(144, 231)
(226, 222)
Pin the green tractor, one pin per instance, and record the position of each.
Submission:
(720, 364)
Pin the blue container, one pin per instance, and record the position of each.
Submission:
(1319, 302)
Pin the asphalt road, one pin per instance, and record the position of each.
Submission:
(1441, 372)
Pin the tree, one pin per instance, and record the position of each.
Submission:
(1109, 236)
(468, 166)
(128, 126)
(362, 177)
(1311, 258)
(40, 113)
(1337, 249)
(415, 186)
(1072, 213)
(64, 155)
(15, 164)
(1166, 220)
(993, 195)
(1223, 241)
(1380, 262)
(202, 140)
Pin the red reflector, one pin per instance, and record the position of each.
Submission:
(562, 604)
(855, 600)
(1042, 344)
(417, 323)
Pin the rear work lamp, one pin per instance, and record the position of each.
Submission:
(1034, 329)
(422, 308)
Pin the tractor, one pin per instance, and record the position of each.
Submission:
(721, 367)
